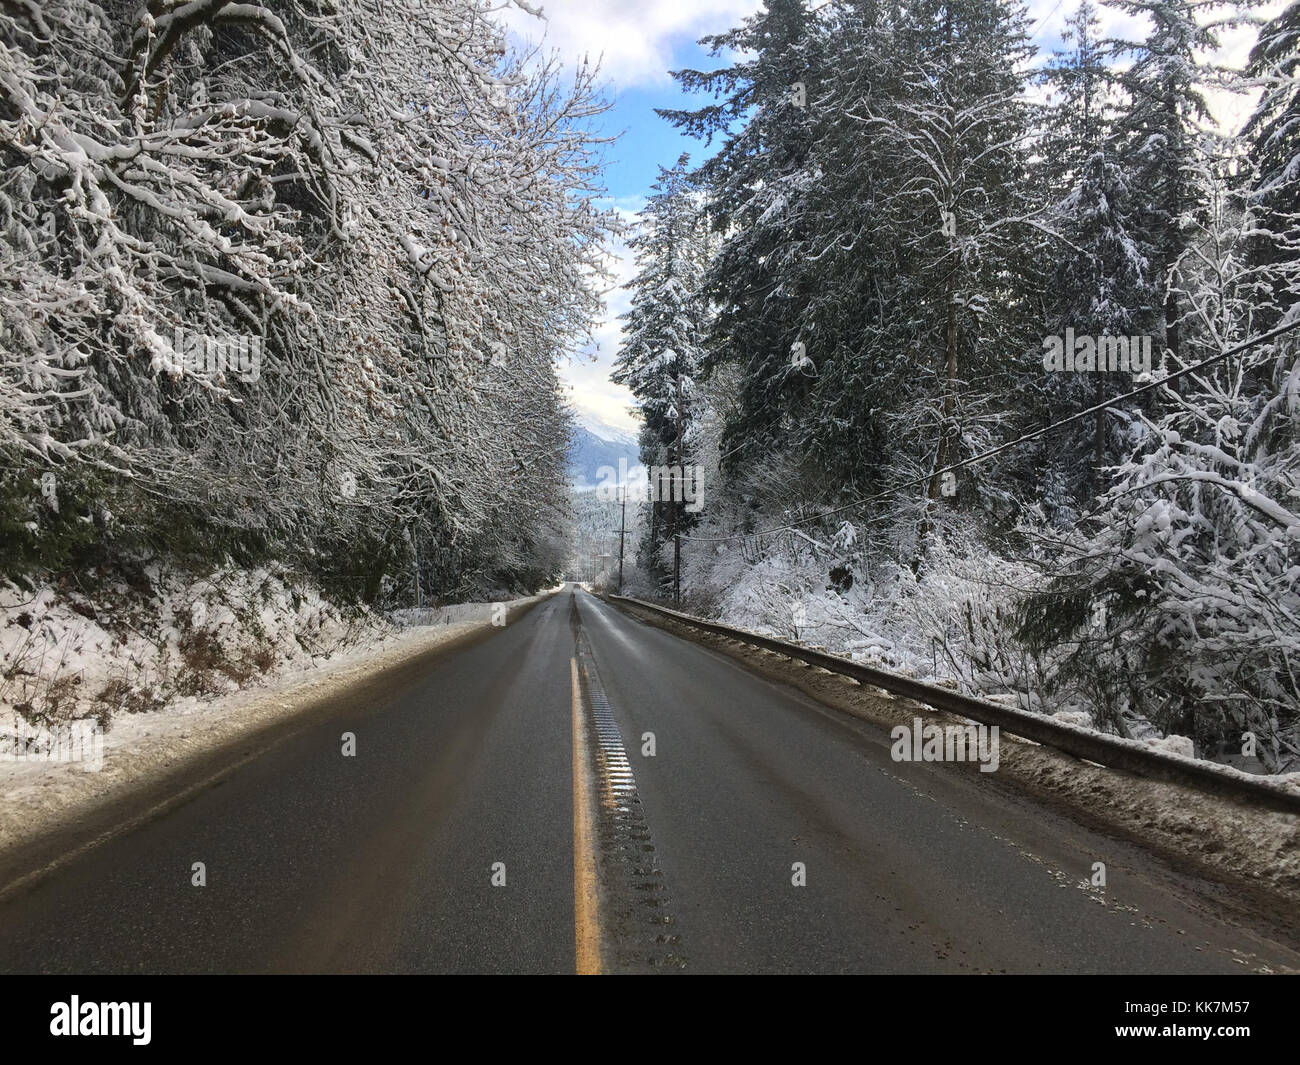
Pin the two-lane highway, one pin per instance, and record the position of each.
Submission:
(750, 830)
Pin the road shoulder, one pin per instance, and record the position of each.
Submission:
(152, 762)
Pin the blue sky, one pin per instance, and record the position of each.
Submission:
(650, 141)
(638, 42)
(647, 143)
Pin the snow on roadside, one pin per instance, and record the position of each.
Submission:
(317, 653)
(130, 647)
(930, 628)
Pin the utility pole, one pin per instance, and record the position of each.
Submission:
(681, 473)
(622, 527)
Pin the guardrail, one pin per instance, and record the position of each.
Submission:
(1090, 746)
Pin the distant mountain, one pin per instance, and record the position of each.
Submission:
(603, 430)
(590, 451)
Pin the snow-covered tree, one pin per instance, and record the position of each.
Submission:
(660, 356)
(955, 202)
(1177, 599)
(1157, 135)
(1101, 283)
(1272, 135)
(753, 186)
(396, 216)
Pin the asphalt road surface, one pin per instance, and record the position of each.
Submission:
(699, 819)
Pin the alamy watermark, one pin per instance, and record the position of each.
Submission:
(664, 484)
(200, 353)
(949, 743)
(124, 1019)
(1102, 354)
(76, 741)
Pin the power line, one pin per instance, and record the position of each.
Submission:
(1046, 18)
(1036, 434)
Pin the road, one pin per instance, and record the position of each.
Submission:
(474, 831)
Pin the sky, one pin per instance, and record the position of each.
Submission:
(638, 42)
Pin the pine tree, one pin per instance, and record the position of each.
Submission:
(1175, 600)
(660, 356)
(1272, 135)
(754, 186)
(1100, 274)
(955, 203)
(1157, 138)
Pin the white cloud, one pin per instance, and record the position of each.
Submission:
(634, 37)
(587, 375)
(1227, 109)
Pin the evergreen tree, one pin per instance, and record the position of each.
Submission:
(660, 357)
(1101, 284)
(754, 188)
(955, 203)
(1272, 135)
(1157, 136)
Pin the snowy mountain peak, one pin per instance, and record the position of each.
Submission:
(604, 431)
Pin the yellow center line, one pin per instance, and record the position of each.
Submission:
(586, 919)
